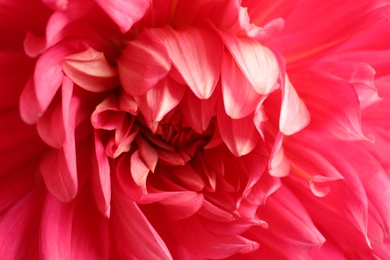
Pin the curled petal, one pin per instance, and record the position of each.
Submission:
(90, 70)
(196, 54)
(107, 114)
(139, 171)
(144, 62)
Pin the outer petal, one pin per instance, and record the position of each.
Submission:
(196, 54)
(125, 13)
(133, 231)
(144, 62)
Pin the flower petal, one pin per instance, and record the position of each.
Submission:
(125, 13)
(196, 54)
(59, 168)
(240, 135)
(90, 70)
(144, 62)
(160, 100)
(239, 97)
(257, 62)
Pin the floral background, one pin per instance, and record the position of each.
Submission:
(174, 129)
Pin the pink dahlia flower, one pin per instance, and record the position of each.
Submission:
(173, 129)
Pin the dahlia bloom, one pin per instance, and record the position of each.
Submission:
(174, 129)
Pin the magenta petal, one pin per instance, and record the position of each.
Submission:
(56, 4)
(240, 135)
(257, 62)
(239, 97)
(144, 62)
(125, 13)
(101, 180)
(90, 70)
(196, 54)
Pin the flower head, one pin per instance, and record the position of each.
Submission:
(194, 129)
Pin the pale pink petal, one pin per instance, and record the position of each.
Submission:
(257, 62)
(144, 62)
(90, 70)
(240, 135)
(196, 54)
(294, 115)
(239, 101)
(160, 100)
(100, 178)
(278, 164)
(125, 13)
(183, 205)
(198, 112)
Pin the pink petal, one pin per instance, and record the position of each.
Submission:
(239, 97)
(59, 168)
(51, 126)
(56, 229)
(144, 62)
(20, 224)
(125, 13)
(285, 214)
(240, 135)
(294, 115)
(160, 100)
(198, 112)
(139, 171)
(30, 109)
(148, 153)
(196, 54)
(279, 165)
(206, 245)
(257, 63)
(100, 178)
(48, 73)
(334, 115)
(131, 225)
(90, 70)
(34, 45)
(107, 114)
